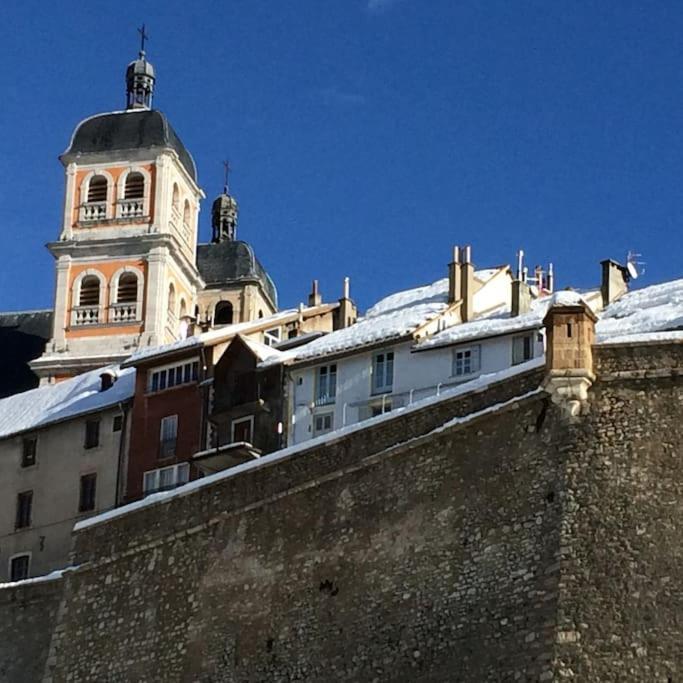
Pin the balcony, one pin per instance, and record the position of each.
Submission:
(123, 313)
(324, 400)
(82, 316)
(93, 211)
(131, 208)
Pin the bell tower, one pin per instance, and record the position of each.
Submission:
(126, 252)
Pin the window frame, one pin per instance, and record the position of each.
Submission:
(522, 338)
(117, 424)
(19, 519)
(89, 476)
(270, 338)
(34, 456)
(189, 372)
(473, 361)
(329, 382)
(323, 415)
(386, 362)
(241, 420)
(168, 419)
(156, 476)
(10, 562)
(87, 445)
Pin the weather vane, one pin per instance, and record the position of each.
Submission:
(143, 37)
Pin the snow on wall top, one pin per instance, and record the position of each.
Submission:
(70, 398)
(651, 309)
(390, 318)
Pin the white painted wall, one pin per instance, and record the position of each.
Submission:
(422, 373)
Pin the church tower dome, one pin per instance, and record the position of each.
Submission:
(224, 218)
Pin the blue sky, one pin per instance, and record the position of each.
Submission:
(368, 136)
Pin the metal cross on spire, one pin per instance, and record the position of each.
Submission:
(226, 181)
(143, 37)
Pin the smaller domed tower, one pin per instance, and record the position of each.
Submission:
(224, 218)
(139, 83)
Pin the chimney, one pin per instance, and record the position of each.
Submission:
(520, 265)
(550, 285)
(538, 277)
(615, 278)
(314, 298)
(466, 284)
(347, 313)
(521, 298)
(454, 291)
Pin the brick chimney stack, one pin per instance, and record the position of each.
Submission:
(454, 284)
(347, 313)
(615, 278)
(521, 298)
(466, 284)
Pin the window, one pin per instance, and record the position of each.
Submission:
(24, 505)
(90, 291)
(466, 361)
(171, 300)
(322, 423)
(186, 213)
(173, 376)
(182, 311)
(127, 290)
(522, 348)
(166, 478)
(86, 501)
(97, 189)
(271, 336)
(383, 372)
(223, 313)
(326, 384)
(18, 567)
(176, 197)
(117, 423)
(242, 429)
(28, 455)
(92, 433)
(135, 186)
(380, 408)
(168, 435)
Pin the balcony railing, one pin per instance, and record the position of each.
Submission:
(85, 315)
(123, 313)
(94, 211)
(131, 208)
(324, 400)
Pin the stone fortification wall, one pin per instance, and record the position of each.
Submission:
(518, 545)
(28, 614)
(353, 561)
(621, 597)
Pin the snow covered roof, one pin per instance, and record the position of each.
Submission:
(263, 352)
(493, 324)
(393, 317)
(225, 333)
(652, 309)
(63, 401)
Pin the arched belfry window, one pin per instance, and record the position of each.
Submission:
(90, 291)
(176, 197)
(182, 311)
(127, 289)
(135, 186)
(223, 313)
(97, 189)
(186, 213)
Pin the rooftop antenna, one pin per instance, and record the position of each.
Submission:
(143, 37)
(633, 265)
